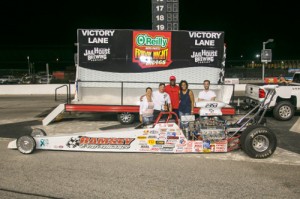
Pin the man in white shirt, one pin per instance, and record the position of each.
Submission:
(161, 99)
(206, 94)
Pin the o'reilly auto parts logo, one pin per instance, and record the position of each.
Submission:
(146, 40)
(151, 49)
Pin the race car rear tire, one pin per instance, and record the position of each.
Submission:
(126, 118)
(26, 144)
(258, 141)
(284, 111)
(38, 132)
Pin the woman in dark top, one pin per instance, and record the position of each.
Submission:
(186, 96)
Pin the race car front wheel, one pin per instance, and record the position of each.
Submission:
(26, 144)
(258, 141)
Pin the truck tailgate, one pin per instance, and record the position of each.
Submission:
(252, 91)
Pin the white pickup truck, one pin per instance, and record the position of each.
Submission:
(285, 102)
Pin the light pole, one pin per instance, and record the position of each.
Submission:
(263, 62)
(28, 65)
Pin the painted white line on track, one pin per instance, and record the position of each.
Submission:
(296, 127)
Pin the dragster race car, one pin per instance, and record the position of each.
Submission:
(207, 134)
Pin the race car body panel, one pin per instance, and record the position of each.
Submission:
(163, 138)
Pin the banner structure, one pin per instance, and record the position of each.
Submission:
(131, 51)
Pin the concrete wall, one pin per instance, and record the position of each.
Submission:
(34, 89)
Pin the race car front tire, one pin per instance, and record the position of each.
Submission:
(26, 144)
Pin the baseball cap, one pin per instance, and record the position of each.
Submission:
(172, 78)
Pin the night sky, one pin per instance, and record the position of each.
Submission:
(38, 26)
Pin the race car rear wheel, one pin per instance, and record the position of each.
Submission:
(126, 118)
(258, 141)
(38, 132)
(26, 144)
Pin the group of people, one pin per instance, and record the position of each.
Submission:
(179, 99)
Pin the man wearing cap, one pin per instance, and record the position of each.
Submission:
(173, 90)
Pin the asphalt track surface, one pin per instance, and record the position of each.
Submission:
(55, 174)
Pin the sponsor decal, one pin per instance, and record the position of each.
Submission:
(158, 146)
(143, 143)
(171, 133)
(144, 149)
(198, 149)
(151, 142)
(212, 147)
(220, 147)
(188, 150)
(44, 142)
(206, 146)
(151, 49)
(172, 137)
(180, 145)
(58, 146)
(155, 149)
(163, 131)
(153, 132)
(167, 149)
(100, 142)
(171, 141)
(145, 146)
(141, 137)
(169, 146)
(158, 142)
(182, 141)
(198, 144)
(152, 136)
(190, 144)
(146, 131)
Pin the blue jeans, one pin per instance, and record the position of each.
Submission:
(183, 124)
(147, 120)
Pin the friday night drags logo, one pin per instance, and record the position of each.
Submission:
(99, 142)
(151, 49)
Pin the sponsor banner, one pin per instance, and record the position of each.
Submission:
(151, 49)
(128, 51)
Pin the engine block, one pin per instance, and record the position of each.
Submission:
(208, 128)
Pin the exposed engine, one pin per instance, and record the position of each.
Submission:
(206, 128)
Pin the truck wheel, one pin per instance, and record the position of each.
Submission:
(258, 141)
(26, 144)
(126, 118)
(38, 132)
(283, 111)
